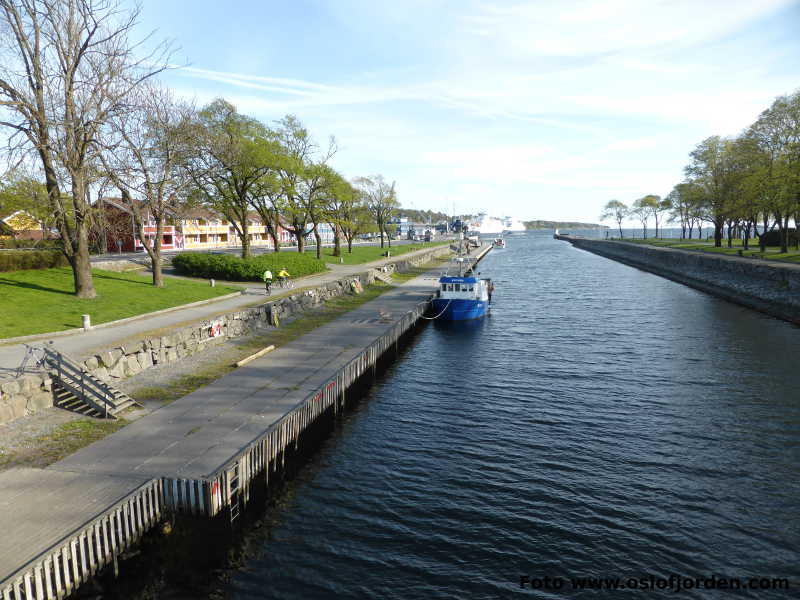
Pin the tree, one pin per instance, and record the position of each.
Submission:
(643, 208)
(381, 200)
(298, 149)
(709, 171)
(267, 200)
(339, 204)
(616, 210)
(66, 67)
(147, 145)
(231, 156)
(24, 192)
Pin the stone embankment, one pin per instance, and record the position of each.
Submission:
(768, 287)
(20, 396)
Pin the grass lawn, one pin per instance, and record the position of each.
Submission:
(365, 254)
(41, 300)
(771, 253)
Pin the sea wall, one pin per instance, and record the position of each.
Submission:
(769, 287)
(21, 396)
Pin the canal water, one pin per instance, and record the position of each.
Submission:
(601, 422)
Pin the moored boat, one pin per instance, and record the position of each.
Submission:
(499, 243)
(462, 298)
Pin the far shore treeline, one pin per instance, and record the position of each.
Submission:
(744, 187)
(86, 119)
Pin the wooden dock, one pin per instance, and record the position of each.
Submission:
(199, 454)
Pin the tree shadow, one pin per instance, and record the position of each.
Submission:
(111, 276)
(32, 286)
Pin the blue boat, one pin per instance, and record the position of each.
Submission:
(462, 298)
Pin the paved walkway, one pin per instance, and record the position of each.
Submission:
(81, 345)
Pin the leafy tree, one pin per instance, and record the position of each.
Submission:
(616, 210)
(302, 179)
(232, 154)
(381, 199)
(22, 191)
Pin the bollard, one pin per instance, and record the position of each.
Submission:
(341, 260)
(212, 283)
(87, 322)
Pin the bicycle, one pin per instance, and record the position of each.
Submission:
(286, 283)
(37, 355)
(268, 286)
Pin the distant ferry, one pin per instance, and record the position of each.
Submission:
(486, 226)
(512, 225)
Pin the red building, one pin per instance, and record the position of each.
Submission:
(120, 228)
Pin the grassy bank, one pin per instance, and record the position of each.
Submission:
(365, 254)
(754, 251)
(41, 301)
(65, 439)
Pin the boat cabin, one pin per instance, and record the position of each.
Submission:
(464, 288)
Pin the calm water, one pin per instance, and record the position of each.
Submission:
(601, 422)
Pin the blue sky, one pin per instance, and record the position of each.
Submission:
(542, 110)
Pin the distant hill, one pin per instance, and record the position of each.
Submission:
(562, 225)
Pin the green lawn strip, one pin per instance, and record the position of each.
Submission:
(771, 253)
(62, 441)
(365, 254)
(41, 301)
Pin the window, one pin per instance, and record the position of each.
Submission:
(444, 287)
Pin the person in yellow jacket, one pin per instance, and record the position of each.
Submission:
(283, 276)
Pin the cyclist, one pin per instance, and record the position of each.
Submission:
(283, 275)
(267, 277)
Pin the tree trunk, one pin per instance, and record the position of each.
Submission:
(276, 242)
(245, 237)
(337, 242)
(388, 240)
(619, 224)
(717, 234)
(318, 239)
(301, 241)
(380, 229)
(82, 265)
(350, 245)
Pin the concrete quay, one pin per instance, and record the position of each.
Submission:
(198, 455)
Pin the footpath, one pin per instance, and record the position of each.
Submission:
(82, 344)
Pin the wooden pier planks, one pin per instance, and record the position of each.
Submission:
(58, 528)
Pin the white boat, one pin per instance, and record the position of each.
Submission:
(499, 243)
(513, 225)
(486, 226)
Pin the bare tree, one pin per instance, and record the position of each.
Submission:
(147, 145)
(66, 66)
(381, 200)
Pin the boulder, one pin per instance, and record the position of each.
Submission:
(9, 388)
(39, 401)
(91, 363)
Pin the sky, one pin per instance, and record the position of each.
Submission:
(538, 110)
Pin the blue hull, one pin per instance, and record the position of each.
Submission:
(459, 310)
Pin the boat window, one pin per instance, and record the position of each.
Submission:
(449, 287)
(471, 288)
(444, 287)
